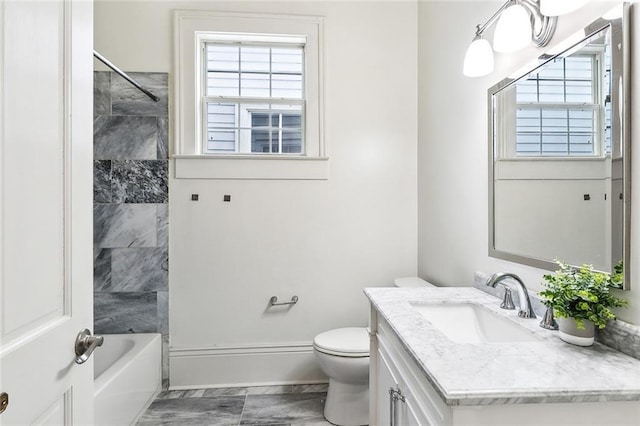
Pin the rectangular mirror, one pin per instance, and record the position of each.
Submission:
(559, 172)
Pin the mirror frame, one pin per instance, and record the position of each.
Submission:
(620, 33)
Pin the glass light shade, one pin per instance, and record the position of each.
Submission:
(513, 31)
(479, 59)
(560, 7)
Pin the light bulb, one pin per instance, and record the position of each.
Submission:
(513, 31)
(479, 58)
(560, 7)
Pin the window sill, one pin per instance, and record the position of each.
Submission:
(255, 167)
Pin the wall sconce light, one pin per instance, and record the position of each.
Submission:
(519, 22)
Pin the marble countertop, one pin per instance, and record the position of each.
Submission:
(547, 371)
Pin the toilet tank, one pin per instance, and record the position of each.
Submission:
(411, 282)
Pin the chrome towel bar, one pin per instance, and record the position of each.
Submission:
(274, 301)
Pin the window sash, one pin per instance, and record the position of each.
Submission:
(237, 128)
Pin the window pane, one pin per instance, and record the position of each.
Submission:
(254, 59)
(554, 120)
(222, 84)
(286, 60)
(221, 140)
(254, 85)
(222, 58)
(221, 115)
(286, 86)
(527, 91)
(254, 115)
(292, 141)
(551, 91)
(222, 70)
(528, 120)
(581, 143)
(579, 91)
(578, 68)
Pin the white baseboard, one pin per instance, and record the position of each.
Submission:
(257, 365)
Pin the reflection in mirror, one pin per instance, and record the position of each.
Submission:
(557, 173)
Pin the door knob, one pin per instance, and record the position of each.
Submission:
(86, 344)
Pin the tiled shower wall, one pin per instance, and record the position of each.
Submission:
(130, 214)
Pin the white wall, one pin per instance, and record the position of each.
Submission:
(320, 240)
(452, 147)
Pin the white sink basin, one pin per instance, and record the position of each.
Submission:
(471, 323)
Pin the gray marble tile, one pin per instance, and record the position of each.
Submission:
(125, 138)
(163, 311)
(125, 313)
(101, 269)
(102, 181)
(139, 269)
(315, 388)
(124, 225)
(163, 225)
(621, 336)
(101, 93)
(163, 138)
(225, 410)
(128, 100)
(291, 408)
(140, 181)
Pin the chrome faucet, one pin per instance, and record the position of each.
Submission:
(526, 311)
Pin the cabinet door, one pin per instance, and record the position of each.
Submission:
(386, 380)
(408, 412)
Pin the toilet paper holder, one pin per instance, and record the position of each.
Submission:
(274, 301)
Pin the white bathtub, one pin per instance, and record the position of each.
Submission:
(127, 377)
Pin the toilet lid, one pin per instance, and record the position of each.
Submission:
(349, 341)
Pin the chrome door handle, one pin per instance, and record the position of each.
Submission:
(86, 344)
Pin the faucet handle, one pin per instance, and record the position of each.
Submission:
(507, 302)
(549, 321)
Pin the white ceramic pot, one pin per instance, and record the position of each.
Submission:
(570, 333)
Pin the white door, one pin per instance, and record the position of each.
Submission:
(45, 210)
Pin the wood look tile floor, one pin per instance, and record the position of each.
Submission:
(296, 405)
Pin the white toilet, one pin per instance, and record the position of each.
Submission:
(343, 354)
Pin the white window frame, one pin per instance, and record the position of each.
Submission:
(190, 29)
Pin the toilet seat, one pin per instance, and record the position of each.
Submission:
(350, 342)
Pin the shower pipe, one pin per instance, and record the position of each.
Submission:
(125, 76)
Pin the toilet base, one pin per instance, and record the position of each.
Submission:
(347, 404)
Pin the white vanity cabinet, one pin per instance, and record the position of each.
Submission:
(414, 399)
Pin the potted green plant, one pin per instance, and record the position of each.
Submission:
(581, 299)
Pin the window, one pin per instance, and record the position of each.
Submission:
(248, 91)
(560, 110)
(254, 98)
